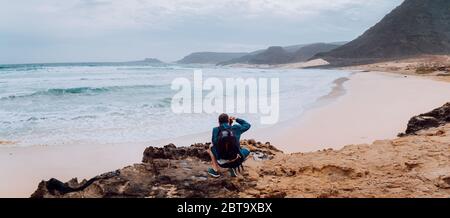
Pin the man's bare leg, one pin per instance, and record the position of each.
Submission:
(214, 164)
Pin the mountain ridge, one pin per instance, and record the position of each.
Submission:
(209, 57)
(283, 55)
(414, 28)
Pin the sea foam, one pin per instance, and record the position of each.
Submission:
(88, 103)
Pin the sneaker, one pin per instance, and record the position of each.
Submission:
(213, 173)
(232, 172)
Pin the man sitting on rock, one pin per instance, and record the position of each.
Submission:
(226, 151)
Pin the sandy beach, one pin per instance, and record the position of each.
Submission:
(375, 106)
(367, 107)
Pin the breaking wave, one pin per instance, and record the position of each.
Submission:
(82, 91)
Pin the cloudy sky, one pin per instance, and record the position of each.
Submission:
(34, 31)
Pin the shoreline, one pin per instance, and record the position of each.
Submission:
(25, 167)
(337, 91)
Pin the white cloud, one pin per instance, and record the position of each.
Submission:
(56, 30)
(162, 13)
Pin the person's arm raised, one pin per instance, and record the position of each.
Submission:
(243, 125)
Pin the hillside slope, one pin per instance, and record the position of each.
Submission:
(416, 27)
(282, 55)
(209, 57)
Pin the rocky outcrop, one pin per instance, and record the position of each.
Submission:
(164, 172)
(434, 118)
(171, 152)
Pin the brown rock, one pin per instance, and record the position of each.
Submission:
(435, 118)
(443, 182)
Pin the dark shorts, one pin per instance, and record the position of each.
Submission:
(244, 152)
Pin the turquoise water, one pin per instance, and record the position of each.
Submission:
(58, 104)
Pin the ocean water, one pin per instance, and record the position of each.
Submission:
(57, 104)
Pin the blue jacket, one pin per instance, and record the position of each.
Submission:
(237, 129)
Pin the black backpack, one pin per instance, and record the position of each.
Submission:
(227, 146)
